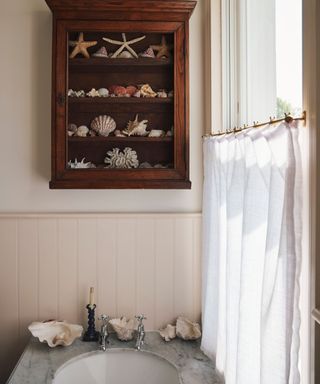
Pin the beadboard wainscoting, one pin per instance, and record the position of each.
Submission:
(138, 263)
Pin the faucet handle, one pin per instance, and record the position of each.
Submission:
(104, 318)
(140, 318)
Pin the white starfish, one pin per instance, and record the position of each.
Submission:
(124, 44)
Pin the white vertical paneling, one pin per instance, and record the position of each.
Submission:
(28, 274)
(145, 270)
(126, 267)
(183, 267)
(9, 323)
(107, 266)
(197, 267)
(48, 269)
(87, 263)
(147, 264)
(164, 270)
(68, 270)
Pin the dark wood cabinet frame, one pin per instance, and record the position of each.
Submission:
(120, 16)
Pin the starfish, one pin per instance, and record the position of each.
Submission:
(162, 49)
(81, 46)
(124, 44)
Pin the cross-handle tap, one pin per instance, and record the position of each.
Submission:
(140, 332)
(103, 339)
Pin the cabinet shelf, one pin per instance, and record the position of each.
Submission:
(106, 62)
(120, 100)
(136, 139)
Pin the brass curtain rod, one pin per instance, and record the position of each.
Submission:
(288, 119)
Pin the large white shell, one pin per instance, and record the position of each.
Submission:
(126, 159)
(168, 333)
(124, 328)
(136, 128)
(187, 330)
(55, 332)
(103, 125)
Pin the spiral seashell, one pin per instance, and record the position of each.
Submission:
(103, 125)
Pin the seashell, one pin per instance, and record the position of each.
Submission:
(156, 133)
(120, 91)
(80, 93)
(136, 128)
(119, 133)
(131, 90)
(82, 131)
(124, 328)
(137, 94)
(162, 94)
(160, 166)
(72, 129)
(147, 91)
(126, 159)
(145, 165)
(103, 125)
(92, 133)
(125, 55)
(93, 93)
(102, 52)
(168, 333)
(71, 93)
(187, 330)
(170, 94)
(80, 165)
(55, 332)
(103, 92)
(149, 53)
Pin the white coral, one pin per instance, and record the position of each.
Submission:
(126, 159)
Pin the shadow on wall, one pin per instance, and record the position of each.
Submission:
(41, 93)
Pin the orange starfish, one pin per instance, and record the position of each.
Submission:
(163, 49)
(81, 46)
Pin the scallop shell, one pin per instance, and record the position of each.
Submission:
(126, 159)
(168, 333)
(55, 332)
(147, 91)
(187, 330)
(124, 328)
(136, 128)
(82, 131)
(103, 125)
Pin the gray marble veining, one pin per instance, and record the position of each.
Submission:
(39, 363)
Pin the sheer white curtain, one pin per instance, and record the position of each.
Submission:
(251, 264)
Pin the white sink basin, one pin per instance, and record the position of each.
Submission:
(117, 366)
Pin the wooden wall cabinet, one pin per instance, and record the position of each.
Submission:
(166, 157)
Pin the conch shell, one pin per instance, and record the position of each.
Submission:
(124, 328)
(136, 128)
(168, 333)
(187, 330)
(55, 332)
(147, 91)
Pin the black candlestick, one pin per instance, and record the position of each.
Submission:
(91, 334)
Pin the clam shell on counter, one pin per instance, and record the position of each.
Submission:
(124, 328)
(168, 333)
(103, 125)
(187, 330)
(55, 332)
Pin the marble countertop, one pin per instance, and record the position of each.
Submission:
(39, 363)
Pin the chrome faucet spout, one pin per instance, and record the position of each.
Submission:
(140, 332)
(103, 339)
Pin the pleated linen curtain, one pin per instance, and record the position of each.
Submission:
(252, 254)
